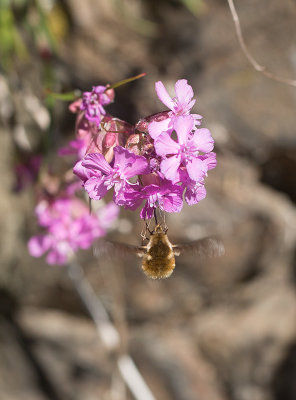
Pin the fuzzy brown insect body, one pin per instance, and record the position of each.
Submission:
(159, 258)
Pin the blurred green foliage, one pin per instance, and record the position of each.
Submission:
(197, 7)
(11, 42)
(29, 27)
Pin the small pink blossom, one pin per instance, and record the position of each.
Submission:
(179, 105)
(186, 151)
(69, 227)
(93, 102)
(166, 197)
(157, 193)
(99, 176)
(182, 103)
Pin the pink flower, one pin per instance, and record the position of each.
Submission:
(93, 102)
(145, 162)
(166, 197)
(180, 105)
(69, 227)
(99, 176)
(157, 193)
(186, 151)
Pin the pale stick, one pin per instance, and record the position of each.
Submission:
(108, 333)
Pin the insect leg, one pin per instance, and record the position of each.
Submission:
(155, 216)
(144, 231)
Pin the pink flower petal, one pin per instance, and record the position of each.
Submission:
(129, 164)
(184, 92)
(196, 118)
(195, 194)
(183, 126)
(155, 128)
(173, 202)
(209, 159)
(165, 145)
(82, 172)
(169, 167)
(39, 244)
(190, 105)
(96, 162)
(128, 196)
(163, 95)
(95, 188)
(202, 140)
(196, 169)
(146, 212)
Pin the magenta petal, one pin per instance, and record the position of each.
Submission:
(151, 190)
(147, 212)
(209, 159)
(202, 140)
(196, 169)
(96, 162)
(155, 128)
(169, 167)
(183, 126)
(129, 164)
(196, 118)
(95, 188)
(183, 91)
(164, 145)
(190, 104)
(163, 95)
(195, 195)
(82, 172)
(128, 196)
(39, 244)
(172, 202)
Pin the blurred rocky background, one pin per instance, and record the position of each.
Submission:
(221, 329)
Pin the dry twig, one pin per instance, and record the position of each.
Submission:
(251, 59)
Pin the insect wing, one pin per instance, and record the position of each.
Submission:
(206, 247)
(105, 248)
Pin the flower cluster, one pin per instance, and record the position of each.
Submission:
(164, 158)
(157, 163)
(68, 227)
(65, 218)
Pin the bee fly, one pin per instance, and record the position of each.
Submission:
(158, 256)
